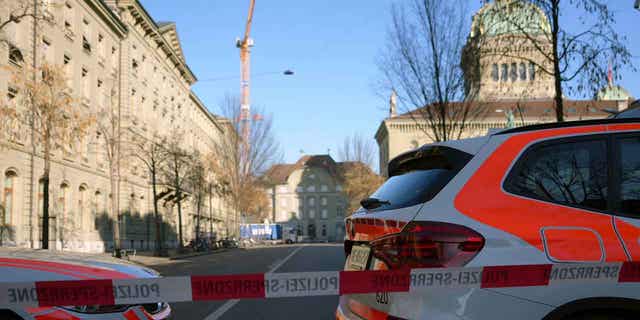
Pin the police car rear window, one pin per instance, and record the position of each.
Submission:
(419, 176)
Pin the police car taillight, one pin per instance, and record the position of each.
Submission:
(428, 245)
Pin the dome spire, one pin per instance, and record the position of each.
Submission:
(393, 104)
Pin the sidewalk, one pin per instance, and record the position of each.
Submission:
(147, 258)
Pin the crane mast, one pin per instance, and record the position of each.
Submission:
(245, 45)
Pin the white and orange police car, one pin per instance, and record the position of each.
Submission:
(26, 265)
(565, 193)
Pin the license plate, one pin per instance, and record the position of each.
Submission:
(358, 258)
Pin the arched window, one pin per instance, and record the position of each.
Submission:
(82, 203)
(62, 200)
(494, 72)
(97, 204)
(514, 71)
(523, 71)
(532, 71)
(504, 76)
(9, 183)
(41, 196)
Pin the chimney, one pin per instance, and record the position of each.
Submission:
(393, 104)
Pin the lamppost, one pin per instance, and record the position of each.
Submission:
(287, 72)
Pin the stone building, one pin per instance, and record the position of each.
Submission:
(105, 46)
(308, 197)
(510, 91)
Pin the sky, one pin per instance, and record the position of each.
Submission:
(331, 45)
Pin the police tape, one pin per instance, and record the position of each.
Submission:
(305, 284)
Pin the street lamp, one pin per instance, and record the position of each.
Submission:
(287, 72)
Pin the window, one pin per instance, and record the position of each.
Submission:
(47, 53)
(523, 71)
(311, 201)
(494, 72)
(324, 188)
(101, 46)
(532, 71)
(629, 149)
(311, 214)
(86, 83)
(323, 201)
(68, 19)
(324, 230)
(62, 200)
(311, 188)
(340, 211)
(95, 208)
(82, 202)
(505, 72)
(417, 177)
(514, 71)
(114, 57)
(68, 70)
(86, 45)
(324, 214)
(311, 230)
(41, 197)
(572, 173)
(12, 93)
(8, 197)
(15, 56)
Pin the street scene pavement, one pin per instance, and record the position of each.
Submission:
(277, 259)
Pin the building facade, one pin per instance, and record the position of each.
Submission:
(308, 197)
(115, 56)
(499, 74)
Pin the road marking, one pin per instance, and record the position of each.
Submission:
(230, 303)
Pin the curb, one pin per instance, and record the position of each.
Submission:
(197, 254)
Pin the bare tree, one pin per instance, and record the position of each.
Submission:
(197, 184)
(20, 10)
(46, 106)
(357, 148)
(357, 178)
(111, 139)
(576, 60)
(177, 172)
(241, 170)
(422, 63)
(153, 155)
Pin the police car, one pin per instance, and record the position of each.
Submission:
(26, 265)
(564, 193)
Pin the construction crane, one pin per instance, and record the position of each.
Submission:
(245, 45)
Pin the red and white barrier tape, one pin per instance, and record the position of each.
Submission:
(304, 284)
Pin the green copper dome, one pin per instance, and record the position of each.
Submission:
(613, 92)
(512, 17)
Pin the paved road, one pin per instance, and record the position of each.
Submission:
(276, 259)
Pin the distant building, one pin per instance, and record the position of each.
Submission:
(307, 196)
(513, 91)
